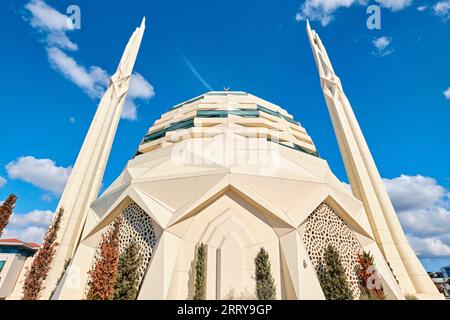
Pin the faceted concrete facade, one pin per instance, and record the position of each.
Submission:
(237, 173)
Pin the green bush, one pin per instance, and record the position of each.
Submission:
(334, 281)
(265, 284)
(127, 283)
(200, 273)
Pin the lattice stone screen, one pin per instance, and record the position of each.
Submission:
(136, 226)
(325, 227)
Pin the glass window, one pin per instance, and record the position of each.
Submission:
(245, 113)
(225, 113)
(2, 264)
(212, 114)
(266, 110)
(290, 120)
(216, 94)
(184, 124)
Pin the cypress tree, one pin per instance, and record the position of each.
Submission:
(265, 283)
(127, 283)
(103, 274)
(334, 281)
(36, 275)
(200, 273)
(369, 282)
(6, 210)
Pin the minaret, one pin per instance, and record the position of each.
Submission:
(366, 182)
(85, 180)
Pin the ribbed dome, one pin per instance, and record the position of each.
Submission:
(216, 112)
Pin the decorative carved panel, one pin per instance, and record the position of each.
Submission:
(325, 227)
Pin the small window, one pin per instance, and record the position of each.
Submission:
(2, 264)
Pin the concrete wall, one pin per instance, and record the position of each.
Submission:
(10, 273)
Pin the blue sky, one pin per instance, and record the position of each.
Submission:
(396, 79)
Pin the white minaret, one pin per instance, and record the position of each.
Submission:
(85, 180)
(366, 182)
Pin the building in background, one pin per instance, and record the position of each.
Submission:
(15, 257)
(441, 282)
(446, 272)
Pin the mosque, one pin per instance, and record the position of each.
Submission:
(234, 172)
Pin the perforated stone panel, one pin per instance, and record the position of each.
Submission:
(136, 226)
(325, 227)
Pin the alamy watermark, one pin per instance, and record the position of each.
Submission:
(254, 147)
(374, 20)
(73, 17)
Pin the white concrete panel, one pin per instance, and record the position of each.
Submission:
(301, 271)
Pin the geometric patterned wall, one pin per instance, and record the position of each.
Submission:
(325, 227)
(137, 226)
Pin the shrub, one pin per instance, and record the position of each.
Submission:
(127, 283)
(265, 283)
(103, 274)
(334, 281)
(369, 281)
(35, 277)
(200, 273)
(6, 210)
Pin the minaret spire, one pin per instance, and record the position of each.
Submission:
(85, 180)
(366, 182)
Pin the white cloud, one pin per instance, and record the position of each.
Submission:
(47, 197)
(422, 8)
(42, 173)
(395, 5)
(37, 218)
(29, 227)
(324, 10)
(382, 46)
(139, 88)
(447, 93)
(129, 111)
(29, 234)
(442, 9)
(423, 207)
(92, 81)
(429, 247)
(46, 17)
(412, 192)
(52, 23)
(61, 40)
(2, 182)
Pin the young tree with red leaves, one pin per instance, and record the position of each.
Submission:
(6, 210)
(369, 281)
(36, 275)
(103, 275)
